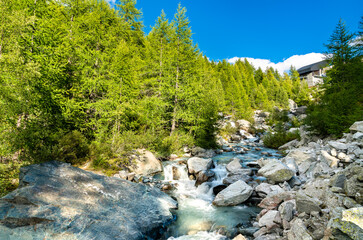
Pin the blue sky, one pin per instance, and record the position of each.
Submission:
(262, 29)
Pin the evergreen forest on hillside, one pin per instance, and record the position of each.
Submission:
(80, 80)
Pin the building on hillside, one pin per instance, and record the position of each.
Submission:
(314, 73)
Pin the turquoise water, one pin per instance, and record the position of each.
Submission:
(197, 218)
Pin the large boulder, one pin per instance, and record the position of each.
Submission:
(196, 164)
(234, 194)
(145, 163)
(58, 201)
(346, 224)
(276, 171)
(243, 124)
(357, 127)
(234, 165)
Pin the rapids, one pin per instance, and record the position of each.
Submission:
(197, 218)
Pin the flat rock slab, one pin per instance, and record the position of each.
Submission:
(58, 201)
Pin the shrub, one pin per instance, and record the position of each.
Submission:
(279, 138)
(72, 148)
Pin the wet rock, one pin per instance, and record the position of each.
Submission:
(232, 178)
(249, 231)
(276, 171)
(227, 149)
(145, 164)
(65, 202)
(217, 189)
(307, 204)
(234, 194)
(357, 127)
(196, 164)
(198, 227)
(203, 176)
(234, 165)
(298, 231)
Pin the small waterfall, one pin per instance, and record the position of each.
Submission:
(175, 171)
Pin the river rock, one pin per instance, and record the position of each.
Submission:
(145, 164)
(58, 201)
(232, 178)
(234, 194)
(234, 165)
(203, 176)
(239, 237)
(243, 124)
(270, 219)
(357, 127)
(273, 201)
(290, 162)
(196, 164)
(217, 189)
(276, 171)
(265, 189)
(298, 231)
(338, 145)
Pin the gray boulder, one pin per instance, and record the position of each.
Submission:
(234, 194)
(146, 163)
(346, 224)
(338, 145)
(307, 204)
(298, 231)
(234, 165)
(357, 127)
(265, 189)
(276, 171)
(270, 219)
(58, 201)
(196, 164)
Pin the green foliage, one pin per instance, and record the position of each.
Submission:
(341, 103)
(9, 175)
(279, 138)
(72, 148)
(277, 116)
(227, 130)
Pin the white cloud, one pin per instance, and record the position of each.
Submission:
(297, 61)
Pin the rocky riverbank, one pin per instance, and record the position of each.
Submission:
(314, 192)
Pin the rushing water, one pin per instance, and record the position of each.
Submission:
(197, 218)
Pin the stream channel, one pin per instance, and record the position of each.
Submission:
(197, 217)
